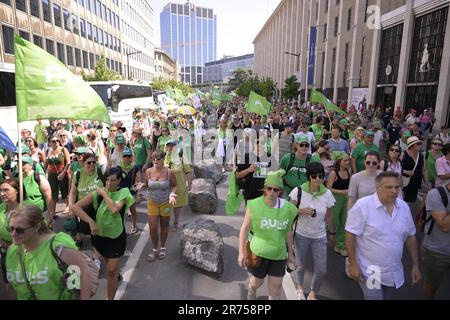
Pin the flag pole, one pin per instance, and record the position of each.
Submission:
(19, 145)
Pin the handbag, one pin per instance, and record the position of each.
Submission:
(251, 259)
(405, 179)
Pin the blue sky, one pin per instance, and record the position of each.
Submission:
(239, 21)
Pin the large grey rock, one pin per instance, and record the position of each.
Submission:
(202, 246)
(203, 196)
(208, 169)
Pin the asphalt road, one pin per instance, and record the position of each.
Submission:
(172, 279)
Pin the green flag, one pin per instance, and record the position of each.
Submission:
(45, 89)
(179, 96)
(318, 97)
(258, 104)
(226, 97)
(234, 196)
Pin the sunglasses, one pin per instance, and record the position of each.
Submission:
(304, 145)
(126, 156)
(437, 144)
(156, 159)
(373, 163)
(91, 162)
(317, 176)
(54, 141)
(273, 189)
(18, 230)
(28, 141)
(395, 150)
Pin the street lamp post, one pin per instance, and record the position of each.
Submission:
(297, 70)
(128, 61)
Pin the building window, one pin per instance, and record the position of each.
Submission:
(69, 51)
(25, 35)
(110, 42)
(34, 8)
(349, 19)
(8, 2)
(100, 36)
(82, 28)
(21, 5)
(326, 5)
(78, 57)
(336, 26)
(103, 12)
(85, 60)
(94, 34)
(46, 10)
(8, 39)
(60, 52)
(75, 23)
(391, 44)
(108, 64)
(57, 15)
(49, 46)
(325, 30)
(108, 16)
(89, 31)
(37, 40)
(105, 37)
(99, 8)
(66, 20)
(86, 4)
(91, 61)
(93, 6)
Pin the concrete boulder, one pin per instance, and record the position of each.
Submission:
(202, 246)
(203, 196)
(208, 169)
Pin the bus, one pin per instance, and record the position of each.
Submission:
(123, 97)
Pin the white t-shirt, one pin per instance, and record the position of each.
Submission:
(308, 226)
(378, 137)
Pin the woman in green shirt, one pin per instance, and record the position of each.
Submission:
(430, 159)
(32, 270)
(270, 218)
(108, 229)
(163, 139)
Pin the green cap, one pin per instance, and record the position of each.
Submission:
(407, 134)
(171, 142)
(80, 139)
(275, 179)
(344, 122)
(370, 134)
(120, 138)
(301, 139)
(82, 150)
(25, 149)
(338, 155)
(28, 160)
(127, 152)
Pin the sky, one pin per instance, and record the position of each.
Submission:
(238, 22)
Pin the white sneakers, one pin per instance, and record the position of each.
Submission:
(341, 252)
(98, 263)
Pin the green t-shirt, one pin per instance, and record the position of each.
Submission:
(296, 176)
(87, 183)
(111, 225)
(359, 154)
(163, 141)
(75, 166)
(270, 227)
(33, 192)
(39, 130)
(431, 165)
(41, 268)
(318, 131)
(4, 224)
(140, 149)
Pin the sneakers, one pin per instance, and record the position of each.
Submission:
(98, 263)
(301, 295)
(341, 252)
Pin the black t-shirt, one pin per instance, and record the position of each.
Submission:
(129, 179)
(394, 134)
(253, 183)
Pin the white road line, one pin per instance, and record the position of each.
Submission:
(130, 266)
(289, 287)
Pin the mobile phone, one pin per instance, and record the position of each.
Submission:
(315, 214)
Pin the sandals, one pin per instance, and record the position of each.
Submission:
(152, 256)
(134, 230)
(162, 253)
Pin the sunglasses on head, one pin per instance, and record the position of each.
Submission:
(91, 162)
(18, 230)
(317, 176)
(273, 189)
(373, 163)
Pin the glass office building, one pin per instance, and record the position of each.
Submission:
(222, 70)
(189, 35)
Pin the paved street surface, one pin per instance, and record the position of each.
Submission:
(171, 279)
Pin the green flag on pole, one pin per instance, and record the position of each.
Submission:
(45, 89)
(318, 97)
(258, 104)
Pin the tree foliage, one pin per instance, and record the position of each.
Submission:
(102, 72)
(291, 88)
(263, 87)
(162, 84)
(240, 76)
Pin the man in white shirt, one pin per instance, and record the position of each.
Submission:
(377, 228)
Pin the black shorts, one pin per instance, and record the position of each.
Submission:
(274, 268)
(57, 186)
(110, 248)
(3, 265)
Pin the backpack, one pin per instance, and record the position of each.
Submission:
(291, 165)
(92, 270)
(422, 218)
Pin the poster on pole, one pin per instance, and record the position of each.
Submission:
(312, 55)
(359, 99)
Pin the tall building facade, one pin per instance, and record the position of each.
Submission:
(222, 70)
(395, 52)
(189, 35)
(166, 67)
(77, 32)
(138, 39)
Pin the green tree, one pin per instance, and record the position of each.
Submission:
(291, 88)
(102, 72)
(239, 77)
(162, 84)
(263, 87)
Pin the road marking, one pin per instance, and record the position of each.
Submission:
(289, 287)
(132, 262)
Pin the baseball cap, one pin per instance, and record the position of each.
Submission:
(25, 149)
(127, 152)
(28, 160)
(407, 133)
(82, 150)
(301, 139)
(369, 133)
(171, 142)
(120, 138)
